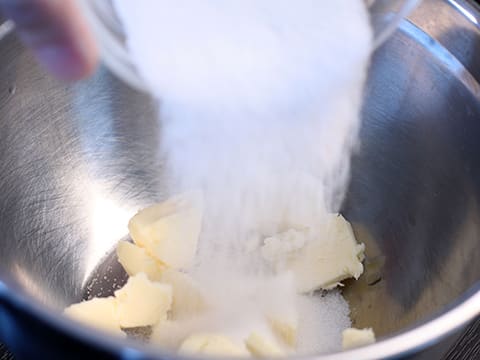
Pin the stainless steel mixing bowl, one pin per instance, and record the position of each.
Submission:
(77, 160)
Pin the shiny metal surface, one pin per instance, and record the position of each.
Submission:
(77, 160)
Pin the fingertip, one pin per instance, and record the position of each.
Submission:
(67, 62)
(57, 34)
(72, 55)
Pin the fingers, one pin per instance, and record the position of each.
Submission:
(57, 34)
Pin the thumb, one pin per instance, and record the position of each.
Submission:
(56, 33)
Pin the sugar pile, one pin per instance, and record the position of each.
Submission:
(260, 106)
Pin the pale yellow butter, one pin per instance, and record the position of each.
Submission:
(188, 298)
(135, 259)
(285, 329)
(142, 302)
(280, 307)
(352, 338)
(170, 334)
(212, 345)
(169, 231)
(98, 312)
(321, 262)
(261, 347)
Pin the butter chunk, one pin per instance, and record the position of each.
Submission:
(169, 231)
(285, 329)
(170, 334)
(188, 298)
(142, 302)
(324, 261)
(135, 260)
(211, 345)
(280, 307)
(277, 249)
(261, 347)
(98, 312)
(352, 338)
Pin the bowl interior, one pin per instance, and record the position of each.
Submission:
(78, 160)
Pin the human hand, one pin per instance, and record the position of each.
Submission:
(57, 34)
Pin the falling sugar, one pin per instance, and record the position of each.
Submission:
(259, 106)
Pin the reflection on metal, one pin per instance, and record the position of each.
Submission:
(30, 283)
(464, 11)
(108, 222)
(6, 28)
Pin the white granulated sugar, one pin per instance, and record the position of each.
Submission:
(260, 105)
(321, 322)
